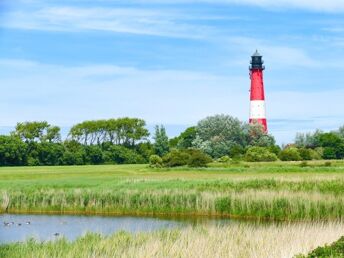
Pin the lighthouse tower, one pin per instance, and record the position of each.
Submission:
(257, 98)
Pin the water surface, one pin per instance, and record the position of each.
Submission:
(50, 227)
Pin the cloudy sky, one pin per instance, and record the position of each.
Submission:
(171, 62)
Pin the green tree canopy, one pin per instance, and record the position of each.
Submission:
(220, 134)
(161, 141)
(122, 131)
(37, 131)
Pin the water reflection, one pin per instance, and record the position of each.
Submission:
(15, 228)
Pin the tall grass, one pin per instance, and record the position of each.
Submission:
(257, 192)
(236, 240)
(263, 204)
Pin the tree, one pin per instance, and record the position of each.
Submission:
(37, 132)
(13, 151)
(332, 141)
(256, 136)
(53, 134)
(217, 134)
(161, 141)
(94, 154)
(222, 135)
(117, 154)
(48, 154)
(122, 131)
(308, 140)
(184, 140)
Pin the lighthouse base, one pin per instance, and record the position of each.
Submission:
(261, 121)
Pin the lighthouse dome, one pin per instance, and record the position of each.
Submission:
(257, 61)
(256, 54)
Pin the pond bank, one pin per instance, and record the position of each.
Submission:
(201, 240)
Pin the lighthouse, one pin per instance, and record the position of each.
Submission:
(257, 97)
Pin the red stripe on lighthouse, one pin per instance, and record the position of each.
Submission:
(257, 85)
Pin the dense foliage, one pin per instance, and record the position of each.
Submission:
(222, 135)
(125, 141)
(256, 153)
(113, 141)
(334, 250)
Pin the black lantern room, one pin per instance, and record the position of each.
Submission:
(257, 62)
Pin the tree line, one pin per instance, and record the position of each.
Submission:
(128, 141)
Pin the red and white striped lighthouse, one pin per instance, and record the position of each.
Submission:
(257, 98)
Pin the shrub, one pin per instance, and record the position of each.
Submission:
(198, 158)
(304, 164)
(155, 161)
(315, 154)
(224, 159)
(94, 154)
(175, 158)
(329, 153)
(290, 154)
(259, 154)
(305, 154)
(334, 250)
(327, 164)
(122, 155)
(12, 151)
(319, 151)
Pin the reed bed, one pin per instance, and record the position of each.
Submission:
(276, 191)
(234, 240)
(262, 204)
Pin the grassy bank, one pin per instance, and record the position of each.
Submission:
(237, 240)
(283, 191)
(335, 250)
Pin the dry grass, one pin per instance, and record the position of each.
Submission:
(236, 240)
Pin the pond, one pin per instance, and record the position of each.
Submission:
(15, 227)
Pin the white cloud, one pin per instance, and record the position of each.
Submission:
(312, 5)
(277, 55)
(65, 95)
(119, 20)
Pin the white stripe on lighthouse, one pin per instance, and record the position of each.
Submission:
(257, 109)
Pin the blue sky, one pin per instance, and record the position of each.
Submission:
(171, 62)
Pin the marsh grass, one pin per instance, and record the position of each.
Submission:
(233, 240)
(277, 191)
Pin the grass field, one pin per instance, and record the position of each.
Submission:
(279, 190)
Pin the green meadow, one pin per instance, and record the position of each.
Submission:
(270, 191)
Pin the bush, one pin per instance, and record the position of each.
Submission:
(190, 157)
(305, 154)
(94, 154)
(290, 154)
(122, 155)
(13, 152)
(259, 154)
(224, 159)
(334, 250)
(329, 153)
(327, 164)
(304, 164)
(198, 158)
(316, 154)
(155, 161)
(175, 158)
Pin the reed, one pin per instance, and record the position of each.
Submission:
(259, 191)
(234, 240)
